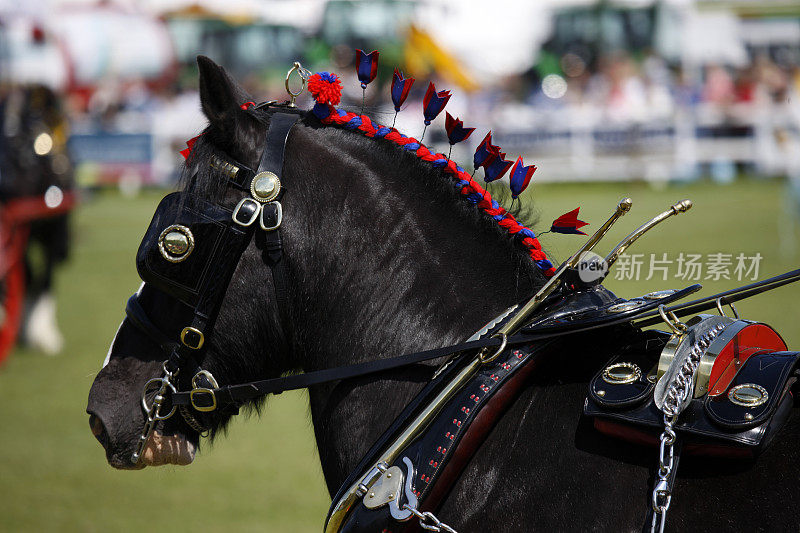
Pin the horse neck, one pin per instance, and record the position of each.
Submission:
(386, 259)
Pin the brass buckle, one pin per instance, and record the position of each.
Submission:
(192, 338)
(504, 340)
(238, 209)
(209, 377)
(198, 390)
(205, 407)
(278, 217)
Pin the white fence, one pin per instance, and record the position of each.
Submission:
(584, 145)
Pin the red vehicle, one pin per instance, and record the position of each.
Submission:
(16, 217)
(36, 181)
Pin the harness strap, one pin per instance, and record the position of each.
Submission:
(238, 238)
(235, 241)
(272, 161)
(255, 389)
(236, 394)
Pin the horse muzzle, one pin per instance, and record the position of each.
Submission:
(161, 448)
(116, 419)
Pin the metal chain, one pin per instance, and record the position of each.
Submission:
(193, 423)
(662, 493)
(428, 520)
(679, 390)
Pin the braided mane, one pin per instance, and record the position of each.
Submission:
(468, 187)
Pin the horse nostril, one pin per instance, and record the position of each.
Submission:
(98, 430)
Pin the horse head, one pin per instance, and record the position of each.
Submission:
(295, 245)
(382, 255)
(116, 415)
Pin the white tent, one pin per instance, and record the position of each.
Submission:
(86, 42)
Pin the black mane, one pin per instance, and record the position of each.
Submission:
(199, 178)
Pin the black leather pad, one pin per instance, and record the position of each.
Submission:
(705, 420)
(621, 395)
(770, 370)
(215, 238)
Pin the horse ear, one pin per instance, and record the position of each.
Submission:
(220, 95)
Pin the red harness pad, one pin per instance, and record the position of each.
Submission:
(750, 340)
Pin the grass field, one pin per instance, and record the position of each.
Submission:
(265, 475)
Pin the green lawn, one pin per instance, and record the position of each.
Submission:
(265, 475)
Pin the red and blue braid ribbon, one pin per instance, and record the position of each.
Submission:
(466, 186)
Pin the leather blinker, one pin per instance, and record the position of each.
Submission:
(213, 235)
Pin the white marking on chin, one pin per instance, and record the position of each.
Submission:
(111, 346)
(168, 450)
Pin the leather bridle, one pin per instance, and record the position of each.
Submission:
(261, 207)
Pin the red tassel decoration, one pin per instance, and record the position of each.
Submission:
(326, 88)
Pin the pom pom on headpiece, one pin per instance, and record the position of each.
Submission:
(486, 152)
(520, 177)
(433, 103)
(325, 87)
(456, 132)
(366, 66)
(400, 88)
(569, 223)
(497, 168)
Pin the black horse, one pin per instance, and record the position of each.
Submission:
(384, 258)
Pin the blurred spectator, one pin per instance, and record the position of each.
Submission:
(718, 88)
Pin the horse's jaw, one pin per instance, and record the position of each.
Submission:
(168, 450)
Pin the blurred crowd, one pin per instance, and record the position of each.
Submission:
(577, 86)
(650, 89)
